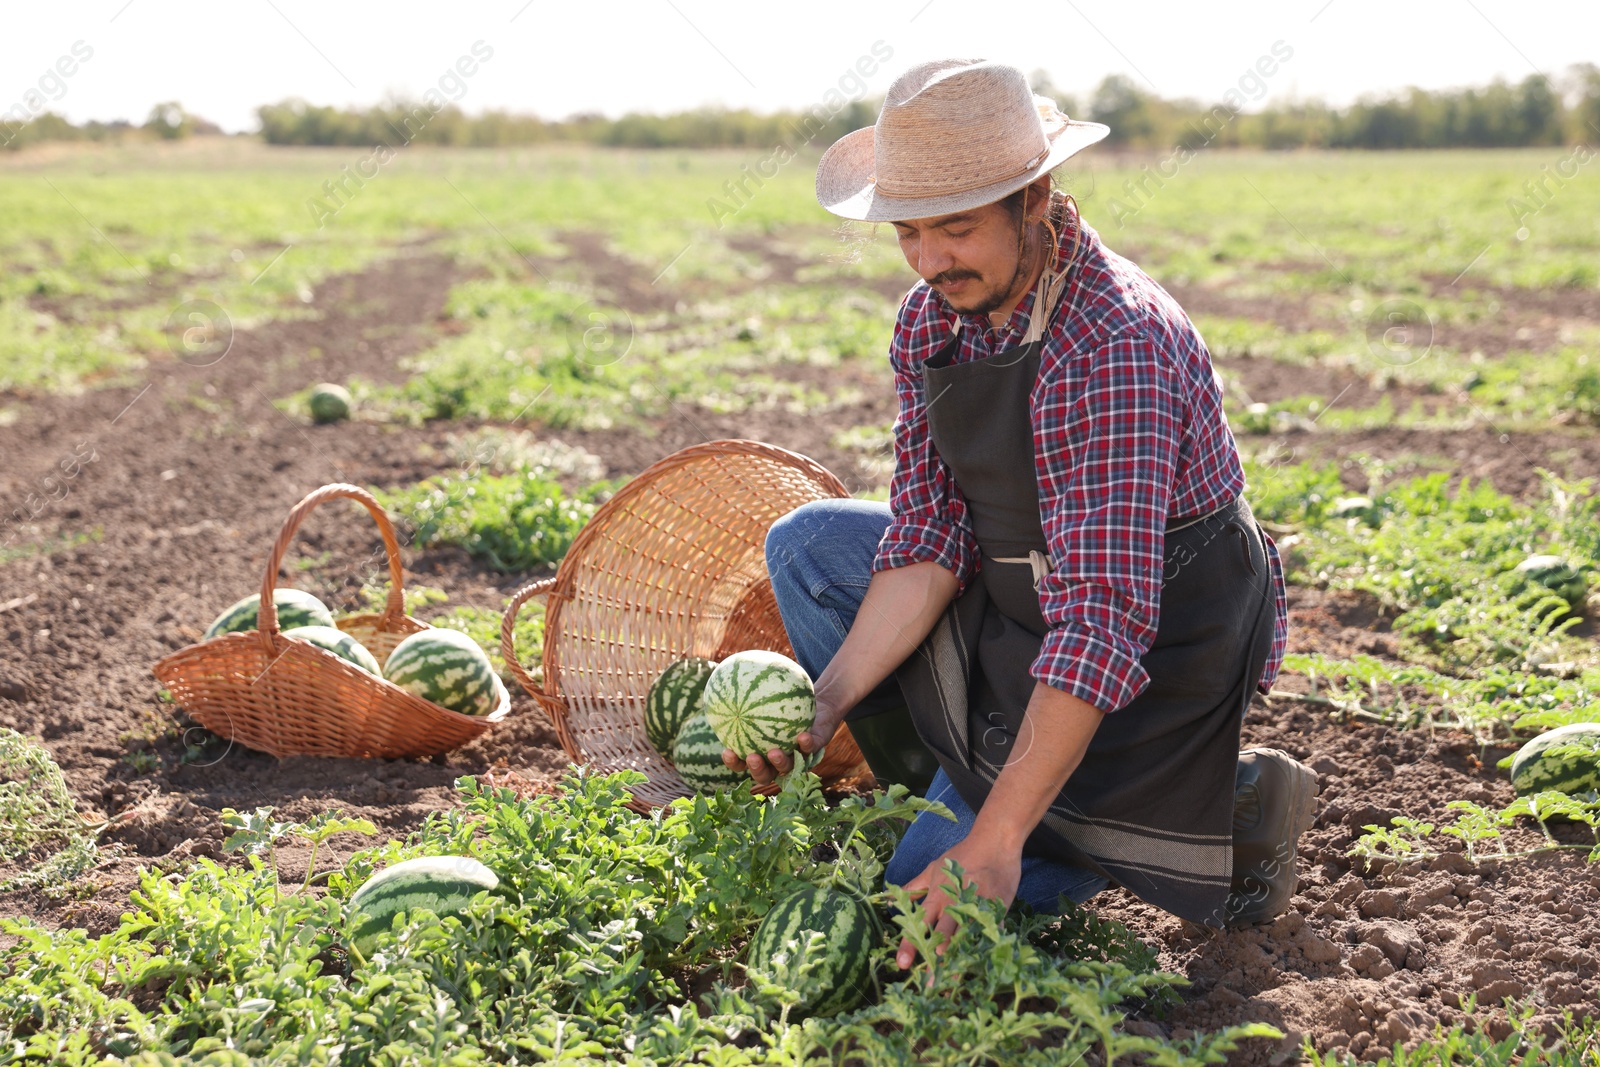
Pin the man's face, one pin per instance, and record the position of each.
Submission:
(969, 257)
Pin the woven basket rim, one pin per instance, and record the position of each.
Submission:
(329, 661)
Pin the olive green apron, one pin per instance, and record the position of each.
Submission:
(1151, 805)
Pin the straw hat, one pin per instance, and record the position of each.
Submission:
(953, 134)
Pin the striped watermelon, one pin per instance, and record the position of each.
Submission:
(1353, 507)
(759, 700)
(1537, 766)
(1555, 574)
(697, 755)
(841, 974)
(296, 607)
(446, 667)
(673, 698)
(338, 642)
(442, 884)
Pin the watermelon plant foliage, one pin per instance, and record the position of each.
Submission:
(611, 938)
(1492, 701)
(515, 522)
(1440, 558)
(1484, 649)
(1481, 830)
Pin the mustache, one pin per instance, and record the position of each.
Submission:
(948, 276)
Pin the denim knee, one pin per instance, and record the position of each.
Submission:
(787, 539)
(826, 543)
(791, 537)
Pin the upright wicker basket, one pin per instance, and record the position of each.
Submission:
(673, 565)
(290, 698)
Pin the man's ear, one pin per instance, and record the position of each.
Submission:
(1038, 198)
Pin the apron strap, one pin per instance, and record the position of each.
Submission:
(1045, 298)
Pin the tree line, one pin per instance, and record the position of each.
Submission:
(167, 121)
(1499, 115)
(1535, 111)
(295, 122)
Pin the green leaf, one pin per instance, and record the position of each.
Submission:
(254, 833)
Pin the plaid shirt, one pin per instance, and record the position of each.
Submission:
(1127, 429)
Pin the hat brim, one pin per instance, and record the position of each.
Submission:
(845, 186)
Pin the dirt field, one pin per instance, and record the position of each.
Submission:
(192, 474)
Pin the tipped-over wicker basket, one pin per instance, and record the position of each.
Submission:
(673, 565)
(289, 698)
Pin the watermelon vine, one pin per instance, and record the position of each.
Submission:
(609, 938)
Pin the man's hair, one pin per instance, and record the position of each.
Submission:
(1013, 202)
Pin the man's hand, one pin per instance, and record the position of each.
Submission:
(899, 609)
(778, 762)
(994, 870)
(1041, 761)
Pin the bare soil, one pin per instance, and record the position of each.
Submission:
(1365, 959)
(193, 471)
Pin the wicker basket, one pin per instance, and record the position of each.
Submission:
(290, 698)
(673, 565)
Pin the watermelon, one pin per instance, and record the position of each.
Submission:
(759, 700)
(338, 642)
(697, 755)
(1353, 507)
(1554, 574)
(841, 974)
(442, 884)
(329, 402)
(446, 667)
(296, 607)
(673, 698)
(1536, 767)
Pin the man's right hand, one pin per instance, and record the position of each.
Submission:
(777, 762)
(898, 611)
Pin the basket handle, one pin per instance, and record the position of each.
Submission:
(508, 649)
(267, 617)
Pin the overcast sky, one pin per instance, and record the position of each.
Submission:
(553, 59)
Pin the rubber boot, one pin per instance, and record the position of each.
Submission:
(1274, 802)
(888, 741)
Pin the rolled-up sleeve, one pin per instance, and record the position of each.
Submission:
(1110, 424)
(930, 523)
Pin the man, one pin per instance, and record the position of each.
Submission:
(1067, 587)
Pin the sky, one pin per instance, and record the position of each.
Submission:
(222, 61)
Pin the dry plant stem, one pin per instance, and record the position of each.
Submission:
(1352, 708)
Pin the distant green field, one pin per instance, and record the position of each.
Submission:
(101, 247)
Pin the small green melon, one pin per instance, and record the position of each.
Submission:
(330, 403)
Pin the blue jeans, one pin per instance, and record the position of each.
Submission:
(820, 559)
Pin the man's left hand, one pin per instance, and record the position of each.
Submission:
(993, 871)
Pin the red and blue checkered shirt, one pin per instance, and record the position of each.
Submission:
(1128, 430)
